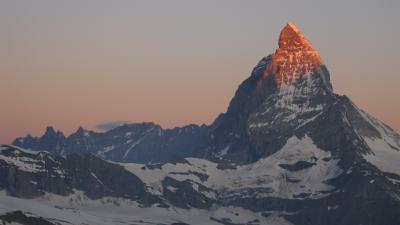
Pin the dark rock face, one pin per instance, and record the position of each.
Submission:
(184, 195)
(142, 142)
(300, 165)
(229, 129)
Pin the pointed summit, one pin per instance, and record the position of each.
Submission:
(291, 25)
(50, 131)
(80, 130)
(294, 57)
(291, 36)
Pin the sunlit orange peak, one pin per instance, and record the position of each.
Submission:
(294, 57)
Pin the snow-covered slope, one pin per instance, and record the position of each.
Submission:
(385, 147)
(299, 170)
(79, 209)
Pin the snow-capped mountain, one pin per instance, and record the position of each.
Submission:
(288, 150)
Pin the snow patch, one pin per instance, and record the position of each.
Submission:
(384, 156)
(385, 153)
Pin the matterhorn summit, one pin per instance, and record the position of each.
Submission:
(296, 66)
(294, 57)
(285, 92)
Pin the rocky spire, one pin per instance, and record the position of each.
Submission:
(292, 37)
(294, 57)
(50, 131)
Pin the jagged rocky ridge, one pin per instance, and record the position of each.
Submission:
(288, 149)
(137, 142)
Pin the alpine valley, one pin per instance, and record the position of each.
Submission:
(288, 150)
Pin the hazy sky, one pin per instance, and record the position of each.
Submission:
(82, 63)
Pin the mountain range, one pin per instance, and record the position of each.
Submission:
(288, 150)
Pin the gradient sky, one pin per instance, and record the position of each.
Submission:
(81, 63)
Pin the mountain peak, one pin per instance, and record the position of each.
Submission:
(82, 132)
(294, 57)
(50, 130)
(291, 36)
